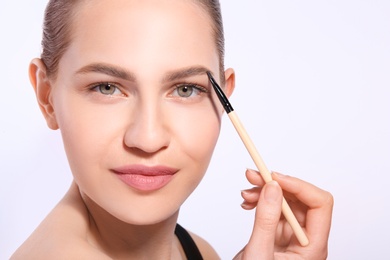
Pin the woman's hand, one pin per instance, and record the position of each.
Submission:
(272, 237)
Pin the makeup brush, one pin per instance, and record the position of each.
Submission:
(264, 172)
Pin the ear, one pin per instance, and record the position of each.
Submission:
(230, 82)
(43, 88)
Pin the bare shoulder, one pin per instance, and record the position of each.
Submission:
(55, 249)
(61, 235)
(205, 248)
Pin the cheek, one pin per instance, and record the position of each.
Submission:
(197, 131)
(194, 135)
(86, 134)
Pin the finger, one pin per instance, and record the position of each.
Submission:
(251, 195)
(305, 192)
(254, 177)
(319, 207)
(310, 195)
(248, 205)
(266, 221)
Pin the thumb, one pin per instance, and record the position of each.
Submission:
(267, 217)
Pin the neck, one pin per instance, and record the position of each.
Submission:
(121, 240)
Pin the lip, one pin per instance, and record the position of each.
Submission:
(145, 178)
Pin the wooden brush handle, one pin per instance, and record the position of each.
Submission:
(266, 175)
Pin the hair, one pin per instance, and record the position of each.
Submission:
(57, 31)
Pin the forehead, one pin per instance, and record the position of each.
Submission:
(129, 30)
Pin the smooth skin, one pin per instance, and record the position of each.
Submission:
(142, 49)
(142, 52)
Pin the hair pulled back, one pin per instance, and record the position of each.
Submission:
(57, 31)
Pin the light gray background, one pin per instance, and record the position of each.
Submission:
(313, 90)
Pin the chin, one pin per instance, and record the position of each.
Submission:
(146, 216)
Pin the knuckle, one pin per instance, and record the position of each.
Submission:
(268, 222)
(328, 199)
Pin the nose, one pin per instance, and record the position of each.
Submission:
(148, 130)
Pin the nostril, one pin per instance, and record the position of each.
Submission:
(148, 129)
(146, 139)
(143, 153)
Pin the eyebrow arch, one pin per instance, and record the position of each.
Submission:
(108, 69)
(121, 73)
(185, 73)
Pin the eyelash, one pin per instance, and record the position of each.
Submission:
(194, 88)
(97, 88)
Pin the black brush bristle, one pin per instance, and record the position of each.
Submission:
(222, 97)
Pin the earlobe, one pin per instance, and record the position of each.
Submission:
(42, 87)
(230, 82)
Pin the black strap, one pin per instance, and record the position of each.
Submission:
(190, 249)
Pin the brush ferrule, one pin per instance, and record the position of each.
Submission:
(221, 95)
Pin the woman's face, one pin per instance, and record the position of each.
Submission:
(137, 114)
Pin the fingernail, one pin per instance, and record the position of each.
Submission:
(245, 192)
(251, 170)
(244, 205)
(271, 193)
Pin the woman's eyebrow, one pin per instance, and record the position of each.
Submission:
(108, 69)
(185, 73)
(122, 73)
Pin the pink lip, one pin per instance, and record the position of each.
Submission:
(145, 178)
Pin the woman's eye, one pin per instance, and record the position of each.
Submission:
(188, 90)
(107, 89)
